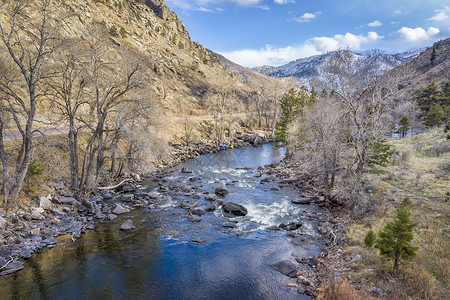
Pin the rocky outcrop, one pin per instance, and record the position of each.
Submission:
(286, 267)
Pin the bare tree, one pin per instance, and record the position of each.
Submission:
(27, 43)
(68, 91)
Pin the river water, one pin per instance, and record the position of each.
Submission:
(158, 260)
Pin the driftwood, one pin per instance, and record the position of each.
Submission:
(117, 185)
(10, 261)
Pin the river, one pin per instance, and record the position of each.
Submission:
(158, 260)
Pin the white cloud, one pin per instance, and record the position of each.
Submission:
(318, 45)
(284, 1)
(306, 17)
(375, 23)
(398, 12)
(441, 14)
(417, 35)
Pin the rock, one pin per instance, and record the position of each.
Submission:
(229, 225)
(198, 211)
(128, 198)
(194, 218)
(290, 226)
(185, 170)
(27, 217)
(210, 197)
(211, 208)
(3, 225)
(128, 225)
(36, 215)
(285, 267)
(221, 191)
(119, 210)
(357, 258)
(35, 231)
(26, 254)
(112, 217)
(301, 201)
(196, 239)
(273, 227)
(66, 200)
(14, 219)
(234, 209)
(45, 203)
(268, 179)
(128, 188)
(50, 241)
(275, 188)
(2, 213)
(185, 205)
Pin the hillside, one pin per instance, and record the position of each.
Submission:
(179, 71)
(309, 70)
(433, 64)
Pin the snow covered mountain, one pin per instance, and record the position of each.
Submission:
(309, 70)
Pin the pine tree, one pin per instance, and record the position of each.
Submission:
(403, 126)
(370, 238)
(394, 241)
(426, 96)
(435, 116)
(292, 104)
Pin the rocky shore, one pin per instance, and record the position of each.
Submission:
(310, 273)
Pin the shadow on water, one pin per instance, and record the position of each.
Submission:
(157, 261)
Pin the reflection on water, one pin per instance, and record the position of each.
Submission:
(157, 261)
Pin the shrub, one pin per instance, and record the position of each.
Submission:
(370, 238)
(123, 32)
(342, 290)
(113, 31)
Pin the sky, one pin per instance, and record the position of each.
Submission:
(275, 32)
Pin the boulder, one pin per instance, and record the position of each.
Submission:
(301, 201)
(2, 213)
(221, 191)
(196, 239)
(285, 267)
(36, 215)
(210, 197)
(194, 218)
(185, 170)
(45, 203)
(211, 208)
(234, 209)
(66, 200)
(119, 210)
(198, 211)
(35, 231)
(128, 225)
(112, 216)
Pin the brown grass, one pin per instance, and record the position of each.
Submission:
(342, 290)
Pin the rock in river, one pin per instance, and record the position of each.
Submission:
(127, 225)
(194, 218)
(286, 267)
(120, 210)
(221, 191)
(234, 209)
(301, 201)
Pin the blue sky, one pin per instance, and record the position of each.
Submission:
(274, 32)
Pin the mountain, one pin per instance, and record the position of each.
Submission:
(309, 70)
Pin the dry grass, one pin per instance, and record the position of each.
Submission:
(424, 178)
(341, 290)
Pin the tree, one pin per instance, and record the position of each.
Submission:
(426, 96)
(24, 66)
(394, 241)
(435, 116)
(370, 238)
(403, 126)
(292, 104)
